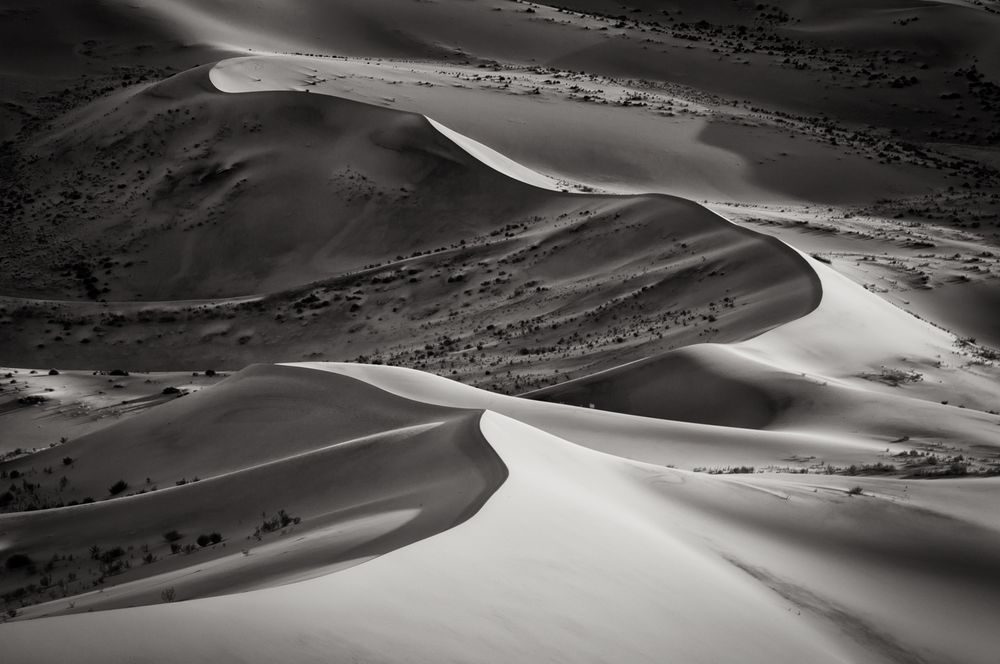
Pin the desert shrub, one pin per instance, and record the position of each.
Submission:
(53, 372)
(865, 469)
(168, 594)
(894, 377)
(117, 372)
(281, 520)
(735, 470)
(15, 594)
(117, 487)
(171, 390)
(112, 568)
(67, 461)
(173, 536)
(855, 491)
(956, 468)
(111, 555)
(17, 561)
(211, 538)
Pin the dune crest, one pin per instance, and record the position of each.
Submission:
(495, 160)
(282, 206)
(298, 472)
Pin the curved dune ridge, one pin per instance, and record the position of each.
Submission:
(357, 471)
(682, 153)
(806, 373)
(719, 159)
(784, 568)
(718, 443)
(279, 205)
(894, 335)
(495, 160)
(269, 191)
(802, 375)
(750, 385)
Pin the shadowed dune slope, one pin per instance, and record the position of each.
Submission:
(899, 377)
(249, 194)
(754, 414)
(365, 472)
(259, 415)
(639, 41)
(56, 55)
(680, 385)
(659, 147)
(310, 199)
(717, 384)
(254, 192)
(935, 35)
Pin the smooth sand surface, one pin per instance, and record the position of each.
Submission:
(794, 568)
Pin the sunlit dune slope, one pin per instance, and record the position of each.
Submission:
(631, 558)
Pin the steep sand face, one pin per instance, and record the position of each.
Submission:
(899, 377)
(807, 433)
(665, 387)
(939, 272)
(664, 140)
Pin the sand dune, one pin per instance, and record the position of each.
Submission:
(226, 171)
(791, 584)
(662, 41)
(276, 226)
(669, 144)
(842, 356)
(364, 471)
(292, 262)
